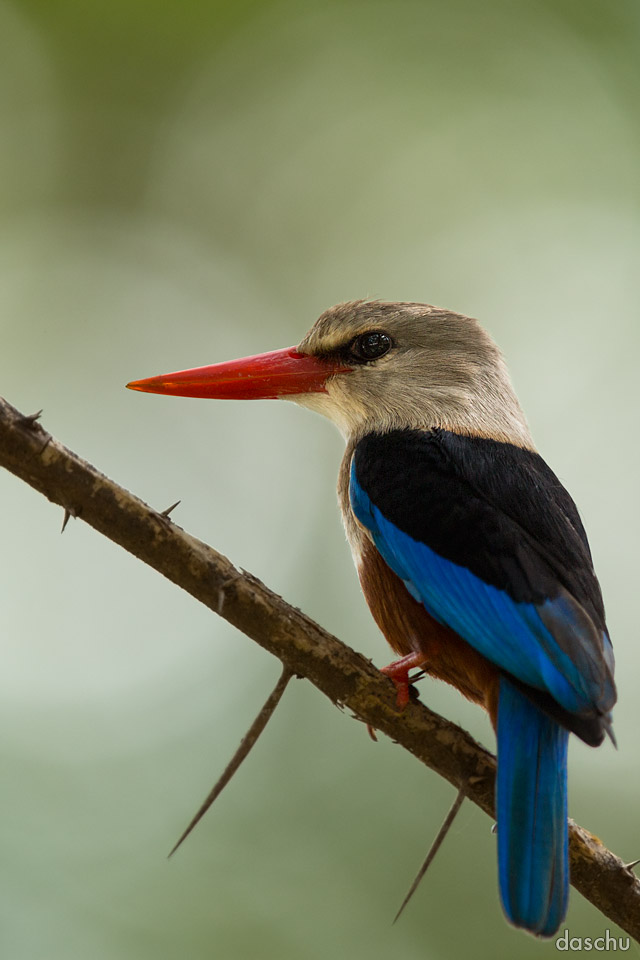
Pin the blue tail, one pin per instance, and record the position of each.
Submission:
(533, 861)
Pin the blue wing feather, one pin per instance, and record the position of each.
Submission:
(514, 636)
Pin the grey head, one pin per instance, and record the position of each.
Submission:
(412, 365)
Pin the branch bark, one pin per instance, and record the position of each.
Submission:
(344, 676)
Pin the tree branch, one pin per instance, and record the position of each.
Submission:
(343, 675)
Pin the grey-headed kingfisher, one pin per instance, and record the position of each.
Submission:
(471, 554)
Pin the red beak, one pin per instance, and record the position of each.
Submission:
(265, 376)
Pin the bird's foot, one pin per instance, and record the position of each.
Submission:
(398, 671)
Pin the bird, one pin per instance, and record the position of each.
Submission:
(471, 554)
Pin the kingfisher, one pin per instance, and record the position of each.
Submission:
(471, 554)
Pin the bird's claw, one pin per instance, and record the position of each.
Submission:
(398, 672)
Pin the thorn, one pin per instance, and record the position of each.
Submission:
(372, 733)
(68, 512)
(473, 780)
(607, 724)
(165, 513)
(30, 419)
(435, 846)
(630, 866)
(494, 829)
(246, 745)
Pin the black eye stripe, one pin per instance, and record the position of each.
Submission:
(369, 346)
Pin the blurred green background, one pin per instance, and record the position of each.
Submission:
(185, 182)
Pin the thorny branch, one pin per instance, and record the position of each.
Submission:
(304, 648)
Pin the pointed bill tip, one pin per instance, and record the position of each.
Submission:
(150, 385)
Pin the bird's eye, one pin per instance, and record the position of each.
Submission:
(370, 346)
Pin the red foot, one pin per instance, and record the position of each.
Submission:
(398, 671)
